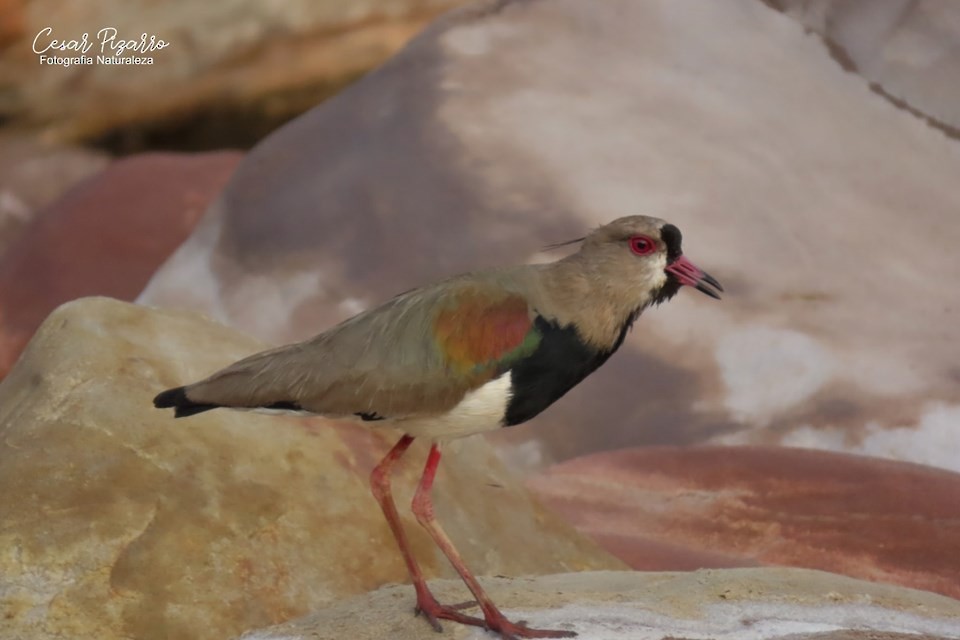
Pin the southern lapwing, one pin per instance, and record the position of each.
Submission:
(469, 354)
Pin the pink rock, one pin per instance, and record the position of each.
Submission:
(35, 173)
(104, 237)
(686, 508)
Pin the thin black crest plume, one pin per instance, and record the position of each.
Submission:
(557, 245)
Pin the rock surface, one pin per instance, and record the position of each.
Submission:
(104, 237)
(219, 55)
(34, 174)
(910, 49)
(669, 508)
(119, 522)
(827, 212)
(744, 604)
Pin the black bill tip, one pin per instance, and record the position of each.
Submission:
(709, 285)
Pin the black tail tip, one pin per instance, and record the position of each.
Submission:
(171, 398)
(183, 406)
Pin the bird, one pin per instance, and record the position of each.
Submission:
(473, 353)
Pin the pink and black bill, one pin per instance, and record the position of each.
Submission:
(681, 272)
(691, 275)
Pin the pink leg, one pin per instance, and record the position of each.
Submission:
(426, 602)
(493, 619)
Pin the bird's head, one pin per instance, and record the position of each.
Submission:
(642, 257)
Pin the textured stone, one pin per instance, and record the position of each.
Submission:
(910, 50)
(105, 237)
(828, 214)
(746, 604)
(686, 508)
(220, 55)
(120, 522)
(33, 174)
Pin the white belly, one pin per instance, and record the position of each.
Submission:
(480, 410)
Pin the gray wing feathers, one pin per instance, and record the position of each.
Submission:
(381, 362)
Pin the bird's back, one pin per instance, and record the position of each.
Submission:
(415, 356)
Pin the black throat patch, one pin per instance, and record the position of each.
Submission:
(672, 239)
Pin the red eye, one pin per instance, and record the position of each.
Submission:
(642, 245)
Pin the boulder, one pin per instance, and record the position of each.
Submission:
(734, 603)
(828, 213)
(686, 508)
(908, 50)
(219, 58)
(34, 173)
(120, 522)
(104, 237)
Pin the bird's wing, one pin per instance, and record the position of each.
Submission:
(417, 355)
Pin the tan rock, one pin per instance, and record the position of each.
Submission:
(120, 522)
(219, 56)
(745, 604)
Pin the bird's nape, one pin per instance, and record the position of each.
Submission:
(565, 243)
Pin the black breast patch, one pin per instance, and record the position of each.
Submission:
(560, 361)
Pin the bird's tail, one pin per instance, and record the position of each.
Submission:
(182, 405)
(260, 381)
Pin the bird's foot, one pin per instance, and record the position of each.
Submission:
(515, 630)
(433, 611)
(493, 620)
